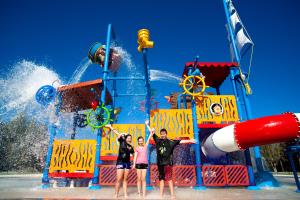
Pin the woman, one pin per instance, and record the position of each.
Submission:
(123, 162)
(140, 163)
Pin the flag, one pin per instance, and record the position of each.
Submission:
(235, 22)
(241, 37)
(243, 42)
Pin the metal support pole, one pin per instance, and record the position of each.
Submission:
(199, 181)
(235, 92)
(290, 157)
(246, 101)
(247, 152)
(98, 162)
(247, 107)
(75, 118)
(52, 131)
(114, 90)
(184, 101)
(45, 179)
(179, 101)
(147, 110)
(256, 149)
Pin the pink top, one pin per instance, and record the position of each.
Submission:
(141, 155)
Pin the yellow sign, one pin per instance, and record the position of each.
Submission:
(217, 109)
(110, 145)
(73, 155)
(178, 122)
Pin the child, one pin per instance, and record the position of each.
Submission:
(123, 162)
(140, 163)
(164, 149)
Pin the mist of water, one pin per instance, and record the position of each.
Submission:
(19, 86)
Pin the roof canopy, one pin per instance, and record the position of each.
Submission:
(79, 96)
(215, 72)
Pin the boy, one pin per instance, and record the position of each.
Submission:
(164, 149)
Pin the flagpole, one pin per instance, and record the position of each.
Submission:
(236, 53)
(246, 100)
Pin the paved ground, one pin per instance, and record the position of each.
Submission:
(28, 186)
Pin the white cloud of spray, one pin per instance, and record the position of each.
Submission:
(19, 86)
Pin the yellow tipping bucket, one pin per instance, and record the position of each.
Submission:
(144, 39)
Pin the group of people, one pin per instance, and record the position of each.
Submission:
(164, 149)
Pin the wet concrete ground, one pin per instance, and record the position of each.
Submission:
(28, 186)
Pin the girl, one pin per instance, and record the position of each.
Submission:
(140, 163)
(123, 162)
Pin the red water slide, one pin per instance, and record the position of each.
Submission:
(256, 132)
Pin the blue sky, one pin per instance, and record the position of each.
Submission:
(59, 34)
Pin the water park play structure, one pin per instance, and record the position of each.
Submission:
(222, 154)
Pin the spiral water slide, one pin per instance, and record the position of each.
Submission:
(256, 132)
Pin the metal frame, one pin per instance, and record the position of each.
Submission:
(246, 104)
(106, 78)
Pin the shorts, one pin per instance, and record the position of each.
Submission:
(164, 172)
(141, 166)
(123, 165)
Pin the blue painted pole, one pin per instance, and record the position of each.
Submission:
(290, 157)
(199, 181)
(247, 152)
(114, 90)
(257, 154)
(237, 98)
(179, 101)
(147, 109)
(98, 162)
(236, 53)
(52, 132)
(114, 96)
(246, 101)
(184, 101)
(45, 179)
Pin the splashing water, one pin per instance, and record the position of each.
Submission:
(132, 86)
(138, 86)
(18, 88)
(158, 75)
(77, 74)
(126, 57)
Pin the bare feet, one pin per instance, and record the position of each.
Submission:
(173, 197)
(126, 196)
(116, 196)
